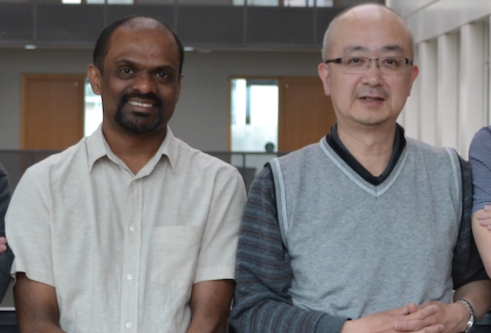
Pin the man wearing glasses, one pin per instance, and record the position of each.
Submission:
(365, 231)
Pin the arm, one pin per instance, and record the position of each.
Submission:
(210, 306)
(6, 256)
(480, 161)
(482, 235)
(27, 225)
(36, 306)
(264, 274)
(470, 280)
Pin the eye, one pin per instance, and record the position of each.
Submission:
(162, 75)
(391, 62)
(354, 61)
(126, 70)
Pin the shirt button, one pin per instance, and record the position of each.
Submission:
(132, 228)
(129, 325)
(129, 277)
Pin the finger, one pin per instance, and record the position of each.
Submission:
(427, 325)
(425, 310)
(423, 317)
(439, 328)
(402, 311)
(487, 208)
(484, 217)
(412, 308)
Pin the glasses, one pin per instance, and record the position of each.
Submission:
(359, 65)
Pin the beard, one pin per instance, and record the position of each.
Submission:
(139, 123)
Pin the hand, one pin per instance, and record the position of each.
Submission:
(453, 317)
(484, 216)
(408, 318)
(3, 244)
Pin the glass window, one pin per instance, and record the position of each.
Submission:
(273, 3)
(254, 115)
(324, 3)
(93, 110)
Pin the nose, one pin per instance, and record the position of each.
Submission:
(144, 83)
(373, 75)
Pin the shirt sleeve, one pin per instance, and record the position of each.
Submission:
(467, 265)
(216, 258)
(6, 257)
(264, 274)
(480, 161)
(28, 227)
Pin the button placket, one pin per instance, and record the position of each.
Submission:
(132, 243)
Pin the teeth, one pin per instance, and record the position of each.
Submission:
(369, 99)
(143, 105)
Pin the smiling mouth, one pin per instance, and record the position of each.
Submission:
(142, 105)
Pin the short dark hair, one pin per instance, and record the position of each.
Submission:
(102, 44)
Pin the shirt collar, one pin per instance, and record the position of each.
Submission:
(97, 147)
(337, 145)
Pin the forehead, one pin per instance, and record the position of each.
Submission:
(371, 29)
(142, 44)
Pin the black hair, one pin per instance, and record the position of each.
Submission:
(102, 44)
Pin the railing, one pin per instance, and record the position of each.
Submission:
(248, 163)
(270, 3)
(251, 3)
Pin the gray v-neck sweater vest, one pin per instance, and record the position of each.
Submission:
(356, 248)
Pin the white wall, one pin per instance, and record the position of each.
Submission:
(453, 96)
(201, 117)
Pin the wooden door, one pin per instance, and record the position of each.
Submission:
(305, 113)
(52, 110)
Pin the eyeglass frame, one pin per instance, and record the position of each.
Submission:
(407, 61)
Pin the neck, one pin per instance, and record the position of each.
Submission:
(371, 146)
(135, 150)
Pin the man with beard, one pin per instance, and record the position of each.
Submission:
(367, 230)
(130, 230)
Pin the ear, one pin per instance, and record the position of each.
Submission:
(94, 76)
(414, 75)
(323, 70)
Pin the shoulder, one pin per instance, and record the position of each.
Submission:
(481, 143)
(59, 163)
(483, 133)
(430, 151)
(301, 156)
(195, 160)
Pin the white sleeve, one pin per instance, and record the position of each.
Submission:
(27, 226)
(217, 253)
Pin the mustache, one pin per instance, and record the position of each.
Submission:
(372, 92)
(157, 101)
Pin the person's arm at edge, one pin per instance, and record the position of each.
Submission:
(470, 280)
(480, 162)
(36, 306)
(210, 306)
(264, 275)
(482, 236)
(7, 256)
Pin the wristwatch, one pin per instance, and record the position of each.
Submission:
(472, 319)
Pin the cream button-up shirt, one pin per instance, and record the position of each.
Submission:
(124, 250)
